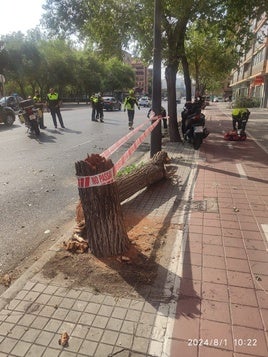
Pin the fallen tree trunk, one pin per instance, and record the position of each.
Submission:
(143, 176)
(129, 184)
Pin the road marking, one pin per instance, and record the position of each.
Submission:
(163, 327)
(81, 144)
(230, 146)
(241, 171)
(257, 141)
(265, 230)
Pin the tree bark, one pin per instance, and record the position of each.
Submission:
(104, 226)
(187, 78)
(127, 185)
(143, 176)
(170, 73)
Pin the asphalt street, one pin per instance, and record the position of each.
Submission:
(38, 185)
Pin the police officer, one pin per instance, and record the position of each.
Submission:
(38, 103)
(99, 107)
(94, 102)
(53, 103)
(239, 118)
(129, 105)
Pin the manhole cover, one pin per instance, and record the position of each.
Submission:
(208, 205)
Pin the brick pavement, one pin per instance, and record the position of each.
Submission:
(214, 300)
(223, 296)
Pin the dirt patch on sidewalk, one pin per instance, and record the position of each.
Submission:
(128, 275)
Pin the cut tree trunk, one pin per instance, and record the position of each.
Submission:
(143, 176)
(104, 226)
(128, 185)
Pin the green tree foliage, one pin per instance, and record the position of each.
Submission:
(93, 22)
(116, 74)
(210, 59)
(31, 62)
(23, 61)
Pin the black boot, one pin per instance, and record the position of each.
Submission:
(41, 123)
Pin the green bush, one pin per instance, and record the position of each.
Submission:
(245, 102)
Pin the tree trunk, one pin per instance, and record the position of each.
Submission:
(170, 73)
(105, 230)
(127, 185)
(187, 78)
(143, 176)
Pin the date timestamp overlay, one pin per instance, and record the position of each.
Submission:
(221, 342)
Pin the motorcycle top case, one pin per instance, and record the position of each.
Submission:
(27, 103)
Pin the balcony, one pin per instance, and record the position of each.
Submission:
(258, 68)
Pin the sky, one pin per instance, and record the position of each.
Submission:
(20, 15)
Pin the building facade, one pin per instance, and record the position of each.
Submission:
(142, 73)
(250, 78)
(141, 76)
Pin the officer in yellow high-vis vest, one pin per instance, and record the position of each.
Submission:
(53, 103)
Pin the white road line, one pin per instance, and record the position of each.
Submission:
(265, 230)
(256, 141)
(80, 144)
(241, 171)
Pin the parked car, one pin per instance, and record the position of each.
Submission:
(217, 99)
(144, 102)
(7, 115)
(110, 103)
(11, 101)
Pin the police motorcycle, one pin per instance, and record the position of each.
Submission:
(193, 124)
(7, 115)
(30, 116)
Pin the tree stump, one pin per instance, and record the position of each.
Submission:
(104, 225)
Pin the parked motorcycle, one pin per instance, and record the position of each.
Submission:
(193, 124)
(7, 115)
(29, 115)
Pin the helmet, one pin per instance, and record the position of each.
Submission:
(131, 91)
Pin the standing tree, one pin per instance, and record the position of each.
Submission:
(210, 60)
(111, 25)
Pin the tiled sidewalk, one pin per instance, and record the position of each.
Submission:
(223, 303)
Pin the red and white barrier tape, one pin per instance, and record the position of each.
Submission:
(134, 146)
(108, 177)
(121, 141)
(108, 152)
(103, 178)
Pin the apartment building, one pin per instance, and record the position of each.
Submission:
(250, 78)
(142, 73)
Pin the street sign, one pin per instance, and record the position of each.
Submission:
(2, 78)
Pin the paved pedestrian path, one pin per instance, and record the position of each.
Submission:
(211, 298)
(222, 309)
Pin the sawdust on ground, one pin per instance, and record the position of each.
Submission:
(126, 275)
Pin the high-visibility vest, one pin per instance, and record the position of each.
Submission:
(53, 96)
(37, 98)
(130, 102)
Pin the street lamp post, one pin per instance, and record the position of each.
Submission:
(156, 137)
